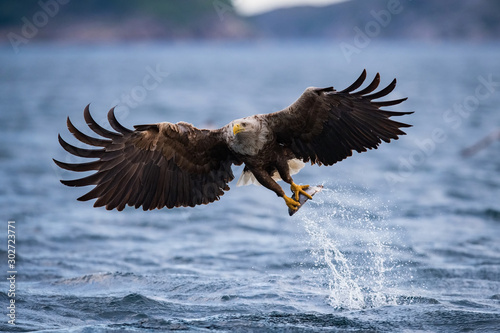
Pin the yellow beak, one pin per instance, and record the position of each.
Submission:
(237, 128)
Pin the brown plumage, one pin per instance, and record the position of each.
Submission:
(172, 165)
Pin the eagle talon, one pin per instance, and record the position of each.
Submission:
(300, 189)
(292, 204)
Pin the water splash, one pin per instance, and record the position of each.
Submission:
(360, 275)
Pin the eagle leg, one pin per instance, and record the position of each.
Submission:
(292, 204)
(299, 189)
(284, 171)
(265, 179)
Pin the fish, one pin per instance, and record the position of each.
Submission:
(311, 190)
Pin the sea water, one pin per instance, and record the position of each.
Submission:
(402, 238)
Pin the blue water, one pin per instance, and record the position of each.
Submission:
(403, 239)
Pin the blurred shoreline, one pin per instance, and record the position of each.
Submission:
(357, 21)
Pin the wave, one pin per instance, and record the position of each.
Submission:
(484, 213)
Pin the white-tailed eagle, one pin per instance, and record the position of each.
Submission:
(173, 165)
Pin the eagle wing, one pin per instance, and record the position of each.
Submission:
(153, 166)
(324, 126)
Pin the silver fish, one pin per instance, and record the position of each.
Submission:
(311, 190)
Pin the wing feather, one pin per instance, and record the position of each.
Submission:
(325, 126)
(96, 127)
(386, 91)
(93, 179)
(153, 166)
(84, 137)
(356, 83)
(87, 166)
(80, 152)
(371, 87)
(115, 124)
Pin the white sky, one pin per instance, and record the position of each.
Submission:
(250, 7)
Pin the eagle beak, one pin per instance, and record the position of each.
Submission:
(237, 128)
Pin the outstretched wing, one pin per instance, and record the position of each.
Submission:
(324, 126)
(154, 166)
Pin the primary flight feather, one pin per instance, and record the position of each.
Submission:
(173, 165)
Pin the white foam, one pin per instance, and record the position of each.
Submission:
(350, 245)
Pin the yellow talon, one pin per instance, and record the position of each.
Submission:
(300, 189)
(292, 204)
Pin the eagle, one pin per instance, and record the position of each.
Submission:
(178, 165)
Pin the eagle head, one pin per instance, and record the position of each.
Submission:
(249, 135)
(246, 126)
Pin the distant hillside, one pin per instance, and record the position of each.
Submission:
(421, 19)
(117, 20)
(120, 20)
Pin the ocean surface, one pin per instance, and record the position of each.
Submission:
(405, 238)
